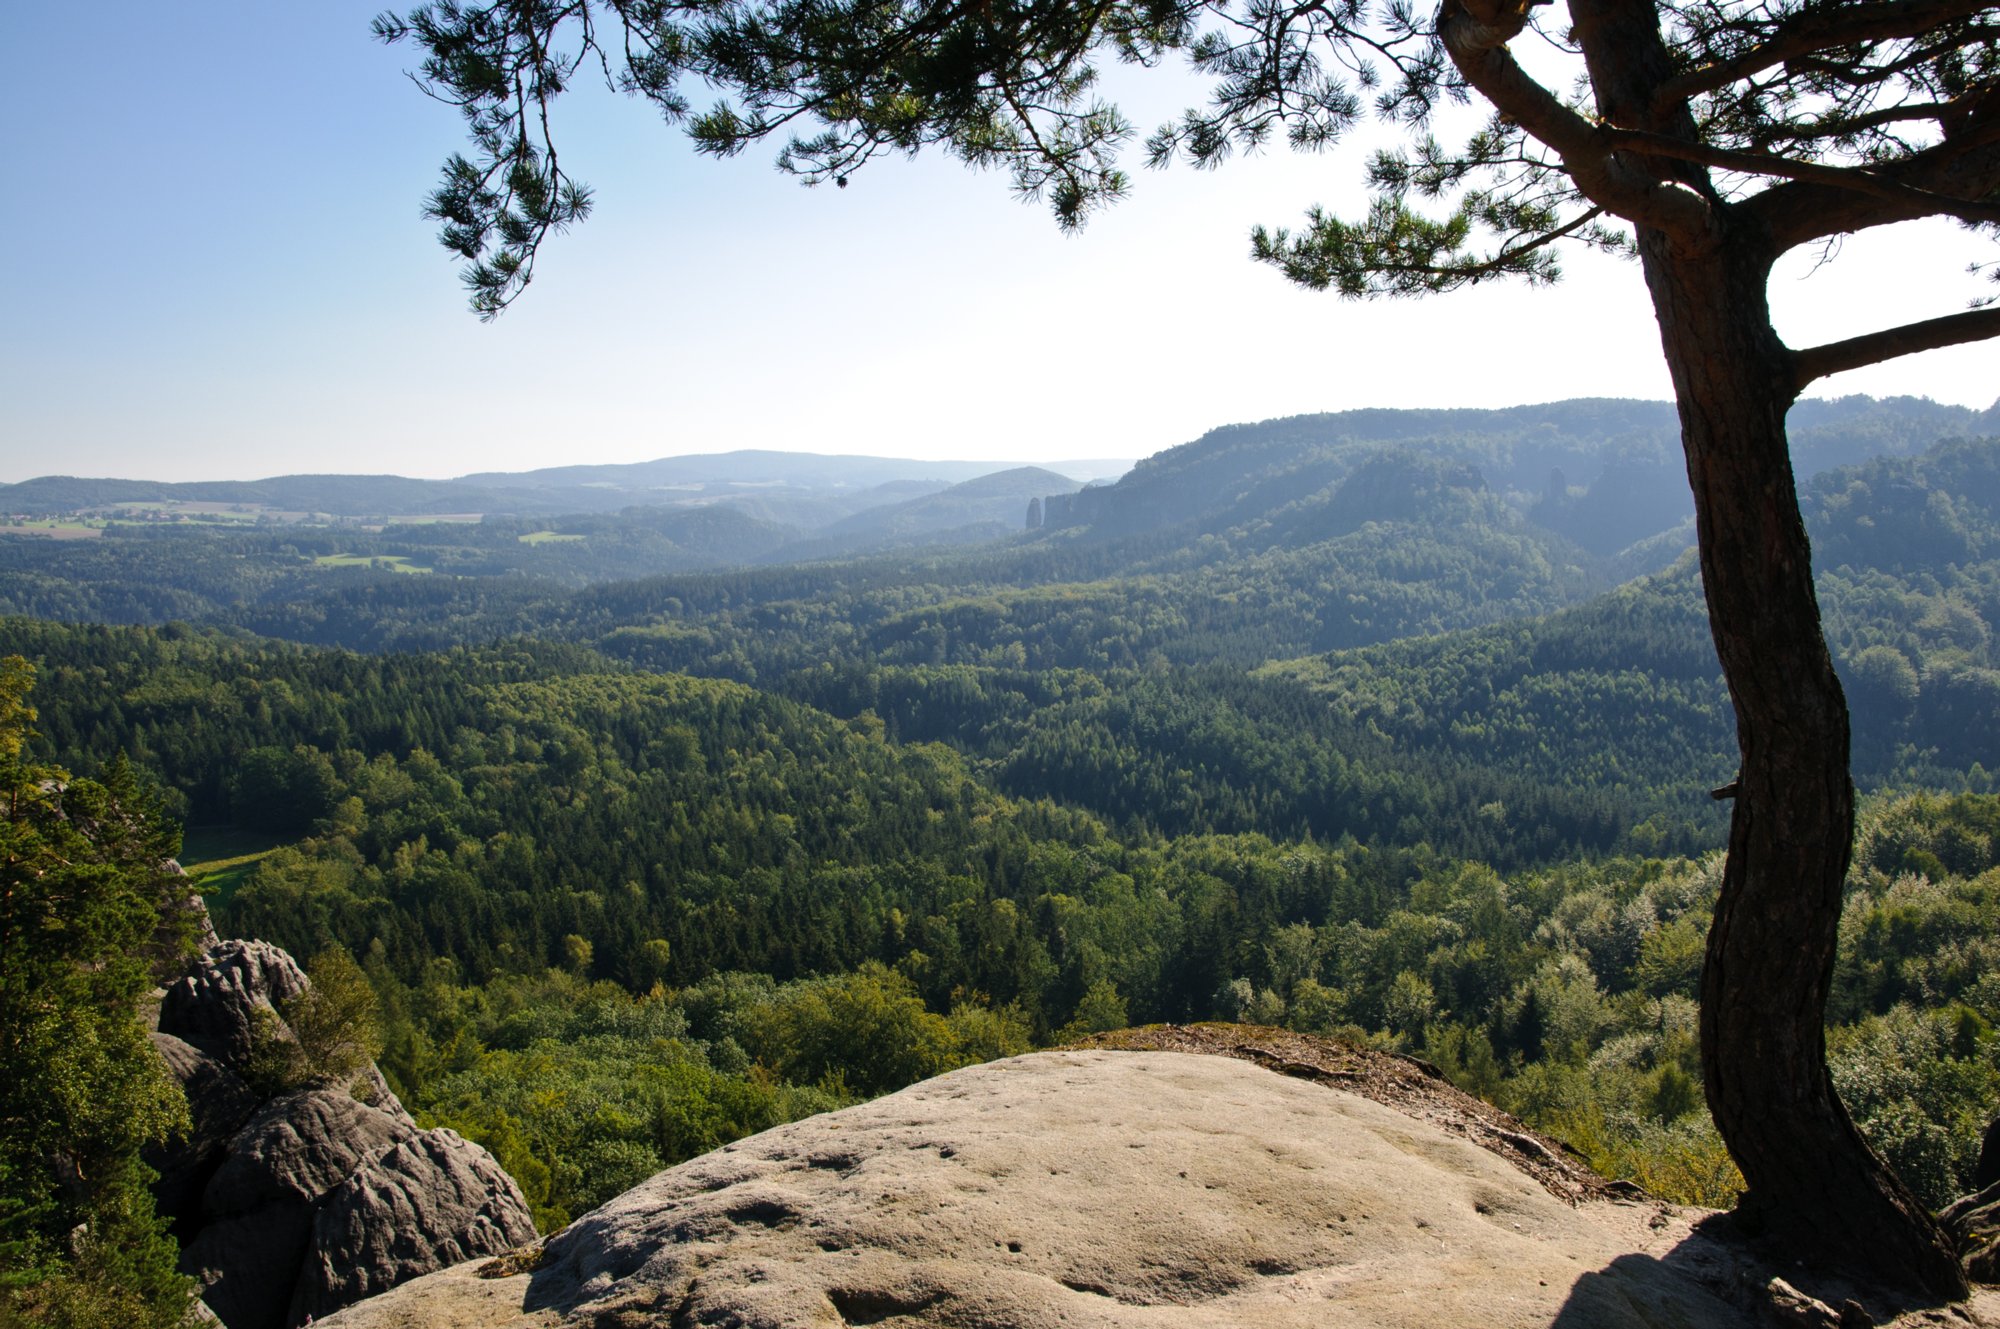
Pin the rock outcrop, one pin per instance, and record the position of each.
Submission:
(216, 1005)
(368, 1235)
(218, 1105)
(1974, 1223)
(290, 1207)
(1117, 1189)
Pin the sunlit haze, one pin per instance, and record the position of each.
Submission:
(215, 267)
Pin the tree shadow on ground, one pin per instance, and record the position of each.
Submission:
(1718, 1276)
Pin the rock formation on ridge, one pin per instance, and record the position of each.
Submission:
(292, 1206)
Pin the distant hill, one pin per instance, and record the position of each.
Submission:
(804, 490)
(753, 467)
(1623, 687)
(1604, 473)
(1000, 499)
(814, 509)
(357, 496)
(745, 468)
(1252, 543)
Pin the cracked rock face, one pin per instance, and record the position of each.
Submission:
(218, 1105)
(214, 1006)
(290, 1208)
(1085, 1189)
(432, 1201)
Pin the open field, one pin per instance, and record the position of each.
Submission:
(547, 538)
(221, 858)
(204, 512)
(394, 562)
(53, 528)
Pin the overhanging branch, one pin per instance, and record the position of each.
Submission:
(1818, 30)
(1965, 166)
(1840, 177)
(1475, 40)
(1874, 347)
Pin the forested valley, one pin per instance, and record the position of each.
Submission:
(1368, 727)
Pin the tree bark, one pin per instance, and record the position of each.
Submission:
(1815, 1186)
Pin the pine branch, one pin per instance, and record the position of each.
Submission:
(1875, 347)
(1819, 30)
(1476, 43)
(1965, 166)
(1840, 177)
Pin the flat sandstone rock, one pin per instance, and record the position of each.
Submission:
(1084, 1189)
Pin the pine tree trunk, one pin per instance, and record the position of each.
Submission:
(1814, 1184)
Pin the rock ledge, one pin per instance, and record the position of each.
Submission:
(1098, 1188)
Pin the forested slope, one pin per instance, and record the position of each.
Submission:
(618, 918)
(1623, 692)
(637, 866)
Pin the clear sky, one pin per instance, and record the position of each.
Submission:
(212, 265)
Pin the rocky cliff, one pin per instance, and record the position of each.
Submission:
(1130, 1189)
(290, 1206)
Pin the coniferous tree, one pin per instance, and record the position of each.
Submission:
(85, 895)
(1713, 140)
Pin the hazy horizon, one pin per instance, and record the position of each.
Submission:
(997, 464)
(226, 275)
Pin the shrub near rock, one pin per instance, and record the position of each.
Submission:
(322, 1190)
(327, 1033)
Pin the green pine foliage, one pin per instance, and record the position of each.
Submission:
(85, 904)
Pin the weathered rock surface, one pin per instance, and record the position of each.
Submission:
(215, 1005)
(298, 1147)
(1974, 1223)
(218, 1105)
(433, 1201)
(373, 1090)
(1113, 1189)
(297, 1205)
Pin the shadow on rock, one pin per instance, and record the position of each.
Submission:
(1717, 1276)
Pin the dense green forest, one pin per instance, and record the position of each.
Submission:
(1339, 734)
(617, 918)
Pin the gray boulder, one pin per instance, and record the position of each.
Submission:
(291, 1207)
(1132, 1190)
(298, 1147)
(373, 1090)
(218, 1105)
(433, 1201)
(259, 1205)
(1974, 1223)
(215, 1006)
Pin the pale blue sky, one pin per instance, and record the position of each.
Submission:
(212, 266)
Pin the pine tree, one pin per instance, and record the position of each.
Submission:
(1707, 140)
(85, 896)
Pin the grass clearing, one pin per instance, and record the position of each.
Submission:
(53, 529)
(546, 538)
(219, 859)
(392, 562)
